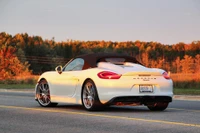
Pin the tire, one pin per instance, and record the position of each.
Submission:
(158, 106)
(43, 94)
(89, 97)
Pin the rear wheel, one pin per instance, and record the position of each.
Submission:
(89, 97)
(43, 94)
(158, 106)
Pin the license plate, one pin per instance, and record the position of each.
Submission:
(146, 88)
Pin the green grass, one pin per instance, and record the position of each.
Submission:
(28, 83)
(17, 86)
(188, 91)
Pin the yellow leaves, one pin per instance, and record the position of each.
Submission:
(187, 64)
(9, 64)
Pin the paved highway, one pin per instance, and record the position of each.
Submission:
(20, 113)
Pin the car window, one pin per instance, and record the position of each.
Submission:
(75, 65)
(115, 60)
(118, 60)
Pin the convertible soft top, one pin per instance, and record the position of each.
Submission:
(91, 60)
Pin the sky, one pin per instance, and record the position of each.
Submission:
(164, 21)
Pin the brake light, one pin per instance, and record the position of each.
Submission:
(108, 75)
(166, 75)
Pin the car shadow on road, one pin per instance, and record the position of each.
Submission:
(135, 109)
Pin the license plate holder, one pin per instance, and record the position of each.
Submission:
(145, 88)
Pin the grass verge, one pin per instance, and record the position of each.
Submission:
(184, 91)
(17, 86)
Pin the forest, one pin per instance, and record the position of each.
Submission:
(22, 54)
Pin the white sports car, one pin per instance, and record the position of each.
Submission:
(97, 80)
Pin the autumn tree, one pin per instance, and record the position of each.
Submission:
(187, 64)
(176, 65)
(10, 65)
(44, 55)
(197, 63)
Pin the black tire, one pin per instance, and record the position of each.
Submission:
(89, 97)
(43, 94)
(158, 106)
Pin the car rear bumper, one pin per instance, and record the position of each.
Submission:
(128, 89)
(139, 99)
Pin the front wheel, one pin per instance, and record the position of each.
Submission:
(43, 94)
(89, 96)
(158, 106)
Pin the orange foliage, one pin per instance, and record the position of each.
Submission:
(185, 77)
(10, 65)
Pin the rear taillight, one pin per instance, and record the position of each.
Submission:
(108, 75)
(166, 75)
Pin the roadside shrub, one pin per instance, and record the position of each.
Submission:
(10, 81)
(30, 81)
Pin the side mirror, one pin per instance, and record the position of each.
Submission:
(59, 69)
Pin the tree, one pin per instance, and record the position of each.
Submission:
(197, 63)
(145, 59)
(10, 65)
(176, 65)
(45, 55)
(187, 64)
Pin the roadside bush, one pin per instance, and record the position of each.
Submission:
(30, 81)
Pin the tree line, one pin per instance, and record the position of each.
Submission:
(24, 54)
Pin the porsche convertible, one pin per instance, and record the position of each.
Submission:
(102, 79)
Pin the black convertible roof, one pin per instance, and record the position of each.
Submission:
(91, 60)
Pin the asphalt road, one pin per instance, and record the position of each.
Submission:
(20, 113)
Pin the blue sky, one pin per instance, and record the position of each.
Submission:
(165, 21)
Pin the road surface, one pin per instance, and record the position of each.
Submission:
(20, 113)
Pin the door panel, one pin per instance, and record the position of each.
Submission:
(64, 84)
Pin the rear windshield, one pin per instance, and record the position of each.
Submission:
(118, 61)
